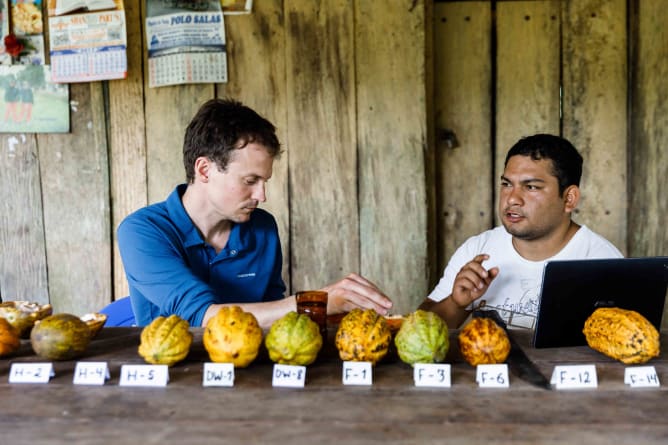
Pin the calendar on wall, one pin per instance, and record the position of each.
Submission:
(186, 42)
(87, 46)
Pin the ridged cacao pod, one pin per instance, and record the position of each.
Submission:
(363, 336)
(294, 339)
(422, 338)
(165, 341)
(483, 342)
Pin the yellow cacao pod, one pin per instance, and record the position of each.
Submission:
(622, 334)
(165, 341)
(232, 336)
(483, 342)
(363, 336)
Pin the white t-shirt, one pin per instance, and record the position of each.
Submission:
(514, 293)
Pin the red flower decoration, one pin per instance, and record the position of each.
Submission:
(13, 46)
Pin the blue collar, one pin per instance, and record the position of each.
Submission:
(239, 241)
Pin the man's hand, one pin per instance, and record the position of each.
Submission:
(355, 291)
(472, 281)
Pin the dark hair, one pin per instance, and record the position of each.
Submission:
(566, 161)
(222, 126)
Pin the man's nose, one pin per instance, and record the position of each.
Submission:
(259, 193)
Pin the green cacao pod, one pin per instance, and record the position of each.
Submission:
(622, 334)
(363, 336)
(422, 338)
(165, 341)
(294, 339)
(60, 337)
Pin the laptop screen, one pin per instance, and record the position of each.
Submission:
(572, 290)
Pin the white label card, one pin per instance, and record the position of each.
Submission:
(290, 376)
(431, 374)
(492, 376)
(31, 372)
(641, 377)
(144, 375)
(218, 374)
(90, 373)
(574, 377)
(357, 373)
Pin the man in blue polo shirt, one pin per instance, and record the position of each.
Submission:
(208, 244)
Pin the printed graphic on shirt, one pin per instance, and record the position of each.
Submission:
(520, 312)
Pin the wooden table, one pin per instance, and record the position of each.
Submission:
(326, 411)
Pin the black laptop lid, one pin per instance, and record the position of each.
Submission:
(572, 290)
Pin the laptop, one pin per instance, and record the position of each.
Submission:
(572, 290)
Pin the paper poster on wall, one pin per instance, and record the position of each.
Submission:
(88, 46)
(27, 25)
(186, 42)
(30, 102)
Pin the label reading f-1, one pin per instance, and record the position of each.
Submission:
(357, 373)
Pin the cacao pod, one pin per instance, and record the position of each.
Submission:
(622, 334)
(165, 341)
(294, 339)
(363, 336)
(233, 336)
(422, 338)
(482, 341)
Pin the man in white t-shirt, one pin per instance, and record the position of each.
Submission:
(504, 266)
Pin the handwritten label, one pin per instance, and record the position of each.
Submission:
(641, 377)
(431, 374)
(218, 374)
(31, 372)
(574, 377)
(144, 375)
(90, 373)
(492, 376)
(289, 376)
(357, 373)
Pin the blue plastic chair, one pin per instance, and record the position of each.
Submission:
(119, 313)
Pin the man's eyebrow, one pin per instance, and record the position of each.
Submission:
(523, 181)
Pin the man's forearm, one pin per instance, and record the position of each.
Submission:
(448, 310)
(266, 312)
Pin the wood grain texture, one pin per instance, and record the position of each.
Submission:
(527, 76)
(167, 112)
(595, 110)
(256, 45)
(127, 141)
(23, 270)
(75, 189)
(324, 220)
(392, 410)
(648, 158)
(392, 142)
(463, 106)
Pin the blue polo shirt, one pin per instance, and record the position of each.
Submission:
(171, 270)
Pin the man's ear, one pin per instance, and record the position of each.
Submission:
(571, 198)
(202, 167)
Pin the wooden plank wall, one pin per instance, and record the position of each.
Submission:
(358, 91)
